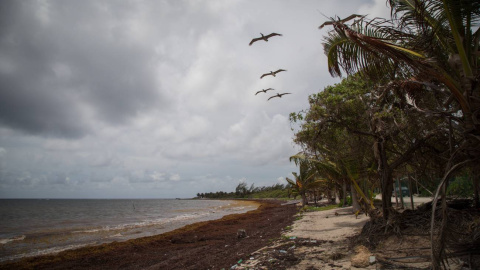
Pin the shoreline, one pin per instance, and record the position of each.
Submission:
(209, 244)
(48, 238)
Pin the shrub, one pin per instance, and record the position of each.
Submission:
(461, 187)
(349, 201)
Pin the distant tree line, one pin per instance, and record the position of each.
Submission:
(244, 191)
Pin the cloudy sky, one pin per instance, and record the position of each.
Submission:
(155, 99)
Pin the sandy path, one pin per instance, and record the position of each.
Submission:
(317, 240)
(336, 224)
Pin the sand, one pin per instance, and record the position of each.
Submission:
(316, 240)
(276, 237)
(320, 240)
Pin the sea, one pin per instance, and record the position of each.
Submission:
(31, 227)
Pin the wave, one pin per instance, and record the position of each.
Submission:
(52, 250)
(8, 240)
(145, 223)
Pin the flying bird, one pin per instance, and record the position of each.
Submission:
(264, 90)
(273, 73)
(278, 95)
(263, 38)
(333, 22)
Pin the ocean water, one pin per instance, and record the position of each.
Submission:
(30, 227)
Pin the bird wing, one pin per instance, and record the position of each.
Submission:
(268, 89)
(266, 74)
(272, 35)
(258, 92)
(271, 97)
(353, 16)
(284, 94)
(280, 70)
(254, 40)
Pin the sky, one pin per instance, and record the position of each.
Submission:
(156, 99)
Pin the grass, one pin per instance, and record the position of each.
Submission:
(277, 194)
(322, 208)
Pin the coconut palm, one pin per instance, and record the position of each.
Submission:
(307, 179)
(430, 45)
(341, 172)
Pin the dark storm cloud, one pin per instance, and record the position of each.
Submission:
(154, 98)
(64, 63)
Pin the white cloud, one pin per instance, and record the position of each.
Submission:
(175, 177)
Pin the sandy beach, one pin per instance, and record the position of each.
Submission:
(213, 244)
(276, 236)
(323, 240)
(316, 240)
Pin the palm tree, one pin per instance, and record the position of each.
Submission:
(341, 172)
(432, 44)
(428, 46)
(306, 180)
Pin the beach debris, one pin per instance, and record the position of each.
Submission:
(252, 258)
(282, 251)
(361, 258)
(293, 237)
(372, 259)
(241, 233)
(240, 261)
(234, 266)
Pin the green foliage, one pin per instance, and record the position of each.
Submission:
(277, 191)
(321, 208)
(461, 187)
(241, 189)
(349, 202)
(371, 195)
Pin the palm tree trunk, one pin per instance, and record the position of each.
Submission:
(387, 188)
(304, 198)
(386, 180)
(355, 204)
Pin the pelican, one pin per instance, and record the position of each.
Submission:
(278, 95)
(264, 90)
(263, 38)
(353, 16)
(273, 73)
